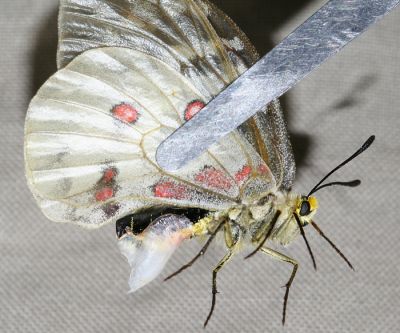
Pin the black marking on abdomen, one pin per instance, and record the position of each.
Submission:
(140, 220)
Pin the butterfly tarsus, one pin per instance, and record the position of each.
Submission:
(214, 297)
(287, 286)
(282, 257)
(223, 261)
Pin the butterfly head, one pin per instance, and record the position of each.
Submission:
(306, 207)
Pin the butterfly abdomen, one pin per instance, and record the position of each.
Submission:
(140, 220)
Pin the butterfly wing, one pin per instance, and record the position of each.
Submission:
(176, 32)
(268, 134)
(92, 132)
(195, 28)
(197, 39)
(93, 128)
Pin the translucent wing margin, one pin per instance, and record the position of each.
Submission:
(268, 134)
(176, 32)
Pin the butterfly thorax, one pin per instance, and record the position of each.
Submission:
(271, 216)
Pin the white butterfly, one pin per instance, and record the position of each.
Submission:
(130, 73)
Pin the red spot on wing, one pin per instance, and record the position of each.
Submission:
(106, 188)
(108, 175)
(243, 173)
(104, 194)
(214, 178)
(263, 169)
(125, 112)
(170, 190)
(192, 108)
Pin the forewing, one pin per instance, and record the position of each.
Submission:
(194, 37)
(176, 32)
(92, 132)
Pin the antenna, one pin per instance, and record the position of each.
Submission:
(353, 183)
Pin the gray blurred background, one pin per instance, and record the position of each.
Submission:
(61, 278)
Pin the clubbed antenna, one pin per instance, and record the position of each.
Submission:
(353, 183)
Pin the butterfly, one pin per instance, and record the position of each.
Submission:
(130, 73)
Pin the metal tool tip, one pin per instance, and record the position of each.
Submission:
(167, 158)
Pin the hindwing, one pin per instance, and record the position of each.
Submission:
(92, 132)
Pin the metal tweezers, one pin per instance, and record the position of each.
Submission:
(326, 32)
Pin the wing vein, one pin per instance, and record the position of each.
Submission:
(110, 138)
(118, 90)
(91, 109)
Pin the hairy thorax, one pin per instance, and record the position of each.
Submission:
(249, 223)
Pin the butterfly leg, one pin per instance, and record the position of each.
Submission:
(202, 251)
(264, 232)
(224, 260)
(282, 257)
(232, 236)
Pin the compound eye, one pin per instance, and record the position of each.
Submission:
(305, 208)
